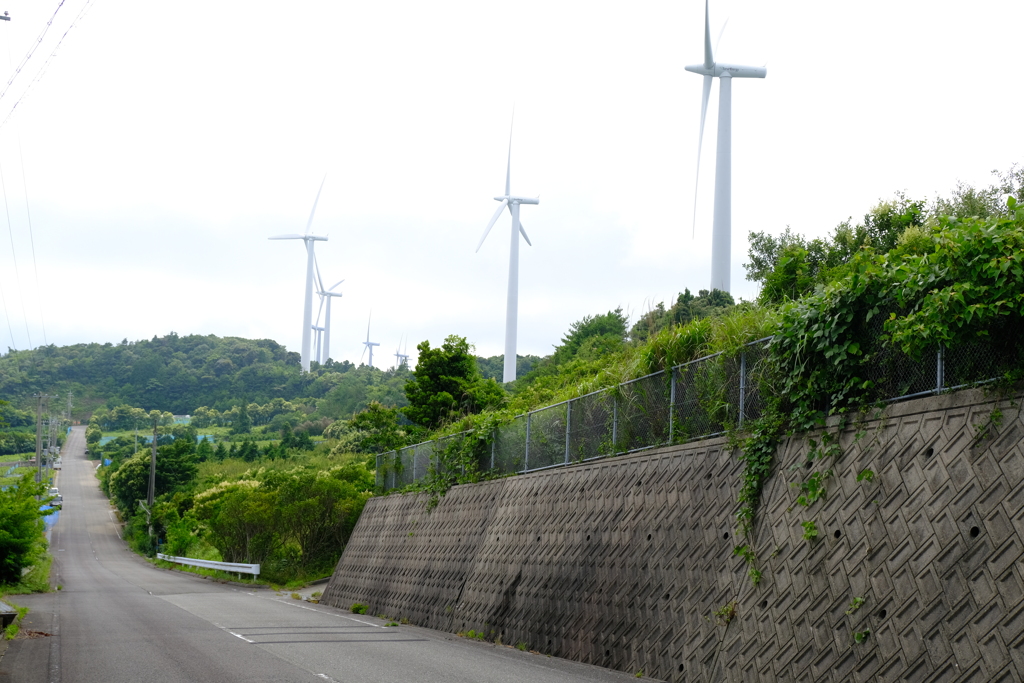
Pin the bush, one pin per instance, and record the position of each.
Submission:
(21, 527)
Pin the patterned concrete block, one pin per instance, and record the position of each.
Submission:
(628, 562)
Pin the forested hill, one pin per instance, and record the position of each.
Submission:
(172, 373)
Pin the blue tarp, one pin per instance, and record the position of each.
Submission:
(51, 518)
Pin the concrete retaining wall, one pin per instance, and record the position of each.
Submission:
(623, 562)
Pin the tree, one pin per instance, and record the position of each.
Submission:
(448, 384)
(686, 308)
(377, 429)
(606, 331)
(242, 424)
(204, 451)
(21, 527)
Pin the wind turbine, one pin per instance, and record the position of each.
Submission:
(325, 294)
(369, 344)
(512, 304)
(400, 358)
(307, 310)
(721, 231)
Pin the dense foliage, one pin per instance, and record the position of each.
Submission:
(966, 284)
(687, 307)
(180, 374)
(447, 384)
(21, 527)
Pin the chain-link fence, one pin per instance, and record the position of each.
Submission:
(699, 399)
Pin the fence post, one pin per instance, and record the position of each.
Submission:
(380, 473)
(615, 425)
(494, 441)
(672, 405)
(940, 369)
(526, 459)
(743, 385)
(568, 421)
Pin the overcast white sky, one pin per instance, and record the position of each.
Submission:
(164, 143)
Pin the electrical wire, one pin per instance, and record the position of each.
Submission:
(32, 241)
(39, 74)
(10, 329)
(14, 256)
(32, 50)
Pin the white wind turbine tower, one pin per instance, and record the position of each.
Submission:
(369, 344)
(325, 331)
(307, 310)
(721, 232)
(512, 304)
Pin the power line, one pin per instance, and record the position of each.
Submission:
(14, 256)
(42, 70)
(31, 50)
(10, 329)
(32, 241)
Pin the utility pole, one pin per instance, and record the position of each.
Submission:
(39, 434)
(152, 465)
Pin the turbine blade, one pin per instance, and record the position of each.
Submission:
(700, 143)
(319, 312)
(335, 285)
(709, 56)
(319, 282)
(494, 218)
(290, 236)
(309, 223)
(720, 33)
(525, 236)
(508, 168)
(368, 327)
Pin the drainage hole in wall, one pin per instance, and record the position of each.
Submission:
(680, 668)
(975, 531)
(838, 533)
(809, 464)
(666, 596)
(588, 537)
(607, 653)
(726, 535)
(538, 539)
(928, 453)
(639, 482)
(764, 604)
(648, 537)
(881, 615)
(549, 643)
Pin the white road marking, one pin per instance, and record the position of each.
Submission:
(237, 635)
(340, 616)
(327, 678)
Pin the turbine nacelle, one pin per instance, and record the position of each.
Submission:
(734, 70)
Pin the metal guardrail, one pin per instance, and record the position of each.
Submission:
(236, 567)
(696, 400)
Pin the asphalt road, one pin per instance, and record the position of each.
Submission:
(118, 618)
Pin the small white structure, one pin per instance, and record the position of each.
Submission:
(512, 303)
(721, 233)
